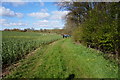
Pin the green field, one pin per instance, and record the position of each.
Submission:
(61, 59)
(15, 45)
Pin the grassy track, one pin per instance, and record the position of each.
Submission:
(62, 58)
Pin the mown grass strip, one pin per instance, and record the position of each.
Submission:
(63, 58)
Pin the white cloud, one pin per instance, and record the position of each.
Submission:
(42, 3)
(22, 1)
(41, 23)
(59, 14)
(2, 21)
(19, 15)
(15, 4)
(39, 15)
(55, 22)
(35, 0)
(19, 1)
(9, 13)
(44, 10)
(6, 23)
(47, 24)
(44, 21)
(12, 0)
(14, 24)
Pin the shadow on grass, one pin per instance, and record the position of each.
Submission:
(71, 76)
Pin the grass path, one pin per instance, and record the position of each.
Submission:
(63, 58)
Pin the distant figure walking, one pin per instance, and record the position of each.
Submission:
(66, 35)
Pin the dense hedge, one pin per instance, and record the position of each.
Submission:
(97, 24)
(100, 31)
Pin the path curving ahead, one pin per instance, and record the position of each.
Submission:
(62, 59)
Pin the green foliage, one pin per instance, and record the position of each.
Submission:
(15, 45)
(97, 24)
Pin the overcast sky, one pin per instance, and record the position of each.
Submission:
(39, 15)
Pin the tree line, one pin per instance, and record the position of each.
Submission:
(58, 31)
(94, 24)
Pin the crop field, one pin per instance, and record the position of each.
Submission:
(52, 57)
(15, 45)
